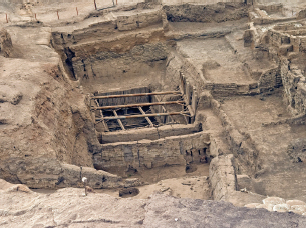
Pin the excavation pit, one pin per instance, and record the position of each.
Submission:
(138, 108)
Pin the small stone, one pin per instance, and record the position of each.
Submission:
(252, 205)
(281, 207)
(295, 202)
(301, 208)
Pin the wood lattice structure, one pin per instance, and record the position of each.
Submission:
(114, 108)
(184, 100)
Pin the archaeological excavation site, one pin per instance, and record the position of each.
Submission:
(153, 113)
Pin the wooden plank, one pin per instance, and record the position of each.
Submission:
(145, 115)
(135, 95)
(138, 105)
(118, 120)
(147, 118)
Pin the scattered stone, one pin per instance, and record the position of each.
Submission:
(274, 201)
(295, 202)
(300, 208)
(281, 207)
(16, 99)
(89, 189)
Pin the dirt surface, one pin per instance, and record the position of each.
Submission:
(227, 69)
(70, 208)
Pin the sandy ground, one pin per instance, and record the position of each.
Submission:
(171, 180)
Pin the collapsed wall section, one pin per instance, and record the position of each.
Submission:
(285, 44)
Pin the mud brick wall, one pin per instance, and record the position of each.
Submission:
(147, 153)
(227, 89)
(132, 22)
(269, 78)
(148, 133)
(294, 87)
(222, 177)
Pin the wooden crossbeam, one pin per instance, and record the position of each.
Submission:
(118, 120)
(143, 115)
(147, 118)
(137, 105)
(135, 95)
(163, 107)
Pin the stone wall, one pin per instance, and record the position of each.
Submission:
(147, 153)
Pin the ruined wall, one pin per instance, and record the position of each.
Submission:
(6, 46)
(211, 13)
(148, 133)
(222, 177)
(147, 153)
(286, 46)
(142, 62)
(242, 146)
(40, 172)
(294, 87)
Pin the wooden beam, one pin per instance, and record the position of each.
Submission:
(164, 109)
(135, 95)
(145, 115)
(102, 117)
(138, 105)
(118, 120)
(147, 118)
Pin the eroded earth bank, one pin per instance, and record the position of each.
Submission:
(188, 112)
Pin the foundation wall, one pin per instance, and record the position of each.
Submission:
(147, 153)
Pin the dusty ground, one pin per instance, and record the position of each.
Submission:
(70, 208)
